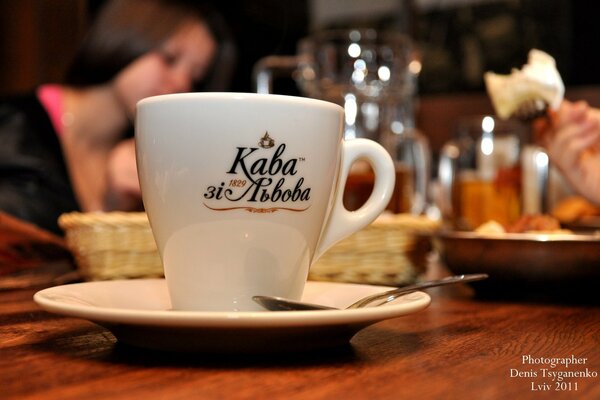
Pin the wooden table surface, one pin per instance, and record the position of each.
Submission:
(461, 347)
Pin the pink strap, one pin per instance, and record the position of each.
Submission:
(51, 98)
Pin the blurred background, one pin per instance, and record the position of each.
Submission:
(458, 41)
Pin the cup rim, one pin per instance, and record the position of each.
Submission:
(239, 96)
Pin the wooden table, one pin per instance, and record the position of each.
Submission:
(461, 347)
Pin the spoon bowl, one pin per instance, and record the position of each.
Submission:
(273, 303)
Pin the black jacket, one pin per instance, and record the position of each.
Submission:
(34, 182)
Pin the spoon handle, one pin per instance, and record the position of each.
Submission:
(395, 293)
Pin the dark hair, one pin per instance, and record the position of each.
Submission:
(126, 29)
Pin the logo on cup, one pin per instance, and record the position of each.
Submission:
(266, 142)
(260, 178)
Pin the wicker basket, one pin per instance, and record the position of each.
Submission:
(114, 245)
(390, 251)
(119, 245)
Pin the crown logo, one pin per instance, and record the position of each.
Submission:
(266, 142)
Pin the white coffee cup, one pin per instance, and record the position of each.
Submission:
(244, 192)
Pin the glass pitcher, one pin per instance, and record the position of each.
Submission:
(373, 75)
(480, 172)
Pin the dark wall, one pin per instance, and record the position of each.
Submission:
(37, 38)
(460, 44)
(261, 28)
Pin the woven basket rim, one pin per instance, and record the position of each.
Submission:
(406, 221)
(106, 219)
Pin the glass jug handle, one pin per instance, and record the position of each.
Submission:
(268, 67)
(535, 166)
(422, 154)
(411, 149)
(447, 176)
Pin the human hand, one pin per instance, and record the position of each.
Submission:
(572, 141)
(123, 190)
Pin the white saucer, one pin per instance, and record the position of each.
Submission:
(138, 313)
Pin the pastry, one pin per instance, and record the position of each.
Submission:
(538, 80)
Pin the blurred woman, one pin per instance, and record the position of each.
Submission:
(68, 146)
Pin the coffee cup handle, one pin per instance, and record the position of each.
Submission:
(343, 223)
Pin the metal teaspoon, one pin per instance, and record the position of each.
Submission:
(281, 304)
